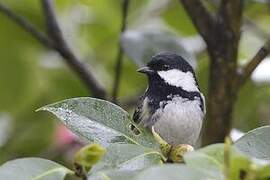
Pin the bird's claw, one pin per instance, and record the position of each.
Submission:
(172, 153)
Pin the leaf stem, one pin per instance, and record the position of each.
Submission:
(80, 171)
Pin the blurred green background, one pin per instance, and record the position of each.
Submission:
(32, 76)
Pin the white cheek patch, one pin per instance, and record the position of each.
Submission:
(175, 77)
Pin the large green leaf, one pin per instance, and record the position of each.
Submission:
(127, 157)
(215, 151)
(33, 169)
(204, 162)
(209, 159)
(256, 143)
(124, 160)
(99, 121)
(172, 172)
(141, 45)
(218, 158)
(113, 174)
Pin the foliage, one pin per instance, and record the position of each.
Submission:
(88, 156)
(95, 120)
(138, 156)
(32, 75)
(32, 168)
(254, 143)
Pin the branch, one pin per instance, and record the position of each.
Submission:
(246, 20)
(231, 12)
(119, 59)
(56, 42)
(71, 59)
(27, 26)
(200, 16)
(253, 63)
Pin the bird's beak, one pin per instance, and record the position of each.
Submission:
(145, 70)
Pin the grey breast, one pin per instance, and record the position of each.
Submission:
(180, 121)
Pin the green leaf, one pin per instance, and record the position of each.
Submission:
(113, 175)
(99, 121)
(141, 45)
(255, 143)
(128, 157)
(205, 163)
(209, 159)
(215, 151)
(238, 165)
(172, 172)
(124, 161)
(33, 169)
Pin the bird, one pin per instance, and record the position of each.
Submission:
(172, 104)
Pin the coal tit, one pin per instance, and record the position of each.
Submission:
(172, 103)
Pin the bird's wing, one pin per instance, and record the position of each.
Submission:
(204, 106)
(138, 111)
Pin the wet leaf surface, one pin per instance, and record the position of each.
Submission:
(33, 169)
(99, 121)
(256, 143)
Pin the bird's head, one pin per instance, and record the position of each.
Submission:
(170, 69)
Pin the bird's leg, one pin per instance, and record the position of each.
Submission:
(164, 146)
(172, 153)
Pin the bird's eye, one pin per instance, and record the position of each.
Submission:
(166, 67)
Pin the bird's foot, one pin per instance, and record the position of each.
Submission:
(172, 153)
(177, 152)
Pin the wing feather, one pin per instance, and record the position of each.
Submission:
(138, 111)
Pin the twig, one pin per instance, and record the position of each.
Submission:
(200, 16)
(27, 26)
(253, 63)
(119, 58)
(57, 42)
(71, 59)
